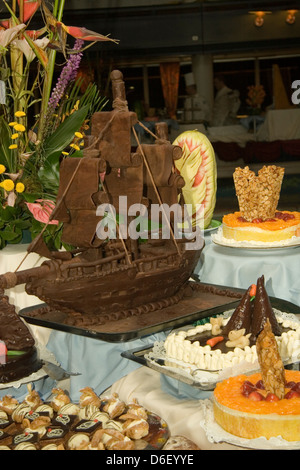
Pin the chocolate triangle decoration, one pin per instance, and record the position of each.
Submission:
(241, 317)
(262, 311)
(13, 330)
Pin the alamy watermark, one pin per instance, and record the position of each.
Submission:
(158, 221)
(296, 94)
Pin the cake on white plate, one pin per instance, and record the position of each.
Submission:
(265, 404)
(258, 219)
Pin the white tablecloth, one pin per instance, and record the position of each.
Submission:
(11, 258)
(101, 365)
(236, 267)
(280, 124)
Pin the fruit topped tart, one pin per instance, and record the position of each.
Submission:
(258, 219)
(265, 404)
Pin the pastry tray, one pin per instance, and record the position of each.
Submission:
(208, 300)
(207, 380)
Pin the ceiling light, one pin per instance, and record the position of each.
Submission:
(259, 17)
(291, 16)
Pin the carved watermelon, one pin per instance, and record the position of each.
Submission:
(198, 168)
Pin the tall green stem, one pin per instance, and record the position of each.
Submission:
(58, 10)
(17, 64)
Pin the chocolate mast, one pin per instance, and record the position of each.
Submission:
(241, 317)
(262, 311)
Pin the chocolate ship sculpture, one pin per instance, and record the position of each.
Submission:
(103, 276)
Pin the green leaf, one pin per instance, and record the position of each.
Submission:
(64, 134)
(10, 235)
(49, 173)
(7, 213)
(55, 144)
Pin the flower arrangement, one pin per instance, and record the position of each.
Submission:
(40, 121)
(256, 96)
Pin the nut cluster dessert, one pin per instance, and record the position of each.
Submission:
(94, 423)
(258, 196)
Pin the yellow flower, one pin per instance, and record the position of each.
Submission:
(76, 105)
(20, 114)
(79, 135)
(65, 153)
(75, 147)
(12, 124)
(13, 146)
(2, 169)
(20, 187)
(15, 136)
(19, 128)
(8, 185)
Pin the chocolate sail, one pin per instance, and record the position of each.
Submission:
(241, 317)
(262, 311)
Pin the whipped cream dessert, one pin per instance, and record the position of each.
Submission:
(178, 345)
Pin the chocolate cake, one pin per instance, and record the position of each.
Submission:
(251, 315)
(20, 358)
(225, 342)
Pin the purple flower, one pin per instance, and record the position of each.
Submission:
(68, 74)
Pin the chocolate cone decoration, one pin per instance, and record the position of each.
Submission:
(13, 330)
(262, 310)
(241, 317)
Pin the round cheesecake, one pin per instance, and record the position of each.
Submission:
(244, 409)
(283, 226)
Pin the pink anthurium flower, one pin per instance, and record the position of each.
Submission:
(42, 210)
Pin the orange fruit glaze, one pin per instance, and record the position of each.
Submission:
(231, 220)
(228, 393)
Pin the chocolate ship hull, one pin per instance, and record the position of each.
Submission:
(115, 289)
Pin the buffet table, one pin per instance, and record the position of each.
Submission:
(101, 365)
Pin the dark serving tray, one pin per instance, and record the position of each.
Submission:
(206, 301)
(209, 300)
